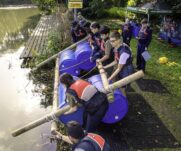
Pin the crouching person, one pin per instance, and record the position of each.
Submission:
(81, 140)
(84, 93)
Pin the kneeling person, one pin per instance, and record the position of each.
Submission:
(94, 102)
(82, 141)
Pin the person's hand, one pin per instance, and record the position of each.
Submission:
(146, 48)
(98, 62)
(109, 79)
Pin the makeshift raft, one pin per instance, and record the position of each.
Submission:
(73, 62)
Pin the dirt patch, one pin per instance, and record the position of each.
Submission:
(151, 85)
(141, 129)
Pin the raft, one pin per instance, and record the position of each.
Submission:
(116, 111)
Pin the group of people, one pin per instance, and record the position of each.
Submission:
(169, 28)
(114, 52)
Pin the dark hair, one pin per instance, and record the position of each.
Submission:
(115, 34)
(144, 21)
(66, 79)
(74, 23)
(95, 25)
(104, 30)
(75, 130)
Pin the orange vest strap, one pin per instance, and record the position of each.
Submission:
(98, 139)
(79, 86)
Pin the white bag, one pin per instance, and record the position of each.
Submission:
(146, 55)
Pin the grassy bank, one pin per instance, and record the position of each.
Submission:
(169, 75)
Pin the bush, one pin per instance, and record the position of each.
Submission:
(132, 2)
(116, 12)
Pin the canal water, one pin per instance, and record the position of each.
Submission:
(19, 104)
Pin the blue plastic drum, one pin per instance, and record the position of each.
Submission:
(67, 63)
(76, 116)
(118, 109)
(82, 55)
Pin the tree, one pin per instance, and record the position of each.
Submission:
(45, 5)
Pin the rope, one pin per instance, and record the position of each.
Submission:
(51, 117)
(75, 64)
(88, 72)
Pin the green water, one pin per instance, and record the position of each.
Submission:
(13, 21)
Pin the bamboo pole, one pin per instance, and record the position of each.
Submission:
(105, 82)
(40, 121)
(126, 80)
(56, 55)
(54, 126)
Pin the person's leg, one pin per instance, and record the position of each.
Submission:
(94, 120)
(138, 57)
(85, 116)
(142, 60)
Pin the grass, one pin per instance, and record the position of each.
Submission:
(12, 21)
(170, 76)
(167, 106)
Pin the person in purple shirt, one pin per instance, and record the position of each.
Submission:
(77, 32)
(144, 39)
(127, 33)
(123, 58)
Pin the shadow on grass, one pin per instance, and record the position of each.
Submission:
(140, 129)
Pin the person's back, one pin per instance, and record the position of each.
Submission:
(92, 142)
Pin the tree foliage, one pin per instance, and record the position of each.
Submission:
(45, 5)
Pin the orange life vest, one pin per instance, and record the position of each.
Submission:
(84, 89)
(97, 139)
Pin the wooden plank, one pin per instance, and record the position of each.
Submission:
(39, 41)
(31, 39)
(45, 36)
(54, 126)
(36, 37)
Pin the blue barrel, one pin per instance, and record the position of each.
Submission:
(97, 82)
(163, 36)
(67, 63)
(118, 109)
(76, 116)
(82, 55)
(136, 31)
(176, 41)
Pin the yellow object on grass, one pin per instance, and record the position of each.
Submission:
(163, 60)
(171, 63)
(120, 31)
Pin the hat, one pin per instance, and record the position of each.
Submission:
(75, 130)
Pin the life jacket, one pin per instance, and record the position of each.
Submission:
(83, 89)
(97, 141)
(111, 55)
(144, 36)
(103, 45)
(124, 48)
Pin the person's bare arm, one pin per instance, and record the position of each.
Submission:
(116, 72)
(111, 64)
(62, 137)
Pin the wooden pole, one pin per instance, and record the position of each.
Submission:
(110, 95)
(126, 80)
(40, 121)
(54, 126)
(56, 55)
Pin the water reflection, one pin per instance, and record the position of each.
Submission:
(18, 106)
